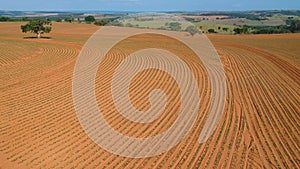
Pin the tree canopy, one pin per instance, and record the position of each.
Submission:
(242, 30)
(295, 26)
(102, 22)
(37, 26)
(211, 31)
(90, 19)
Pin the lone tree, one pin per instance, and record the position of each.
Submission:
(90, 19)
(37, 26)
(211, 31)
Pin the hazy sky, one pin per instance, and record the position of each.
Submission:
(148, 5)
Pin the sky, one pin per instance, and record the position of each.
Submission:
(148, 5)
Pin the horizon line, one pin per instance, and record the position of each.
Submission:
(187, 11)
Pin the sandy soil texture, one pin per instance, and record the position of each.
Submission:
(39, 127)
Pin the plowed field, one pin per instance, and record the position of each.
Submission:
(260, 126)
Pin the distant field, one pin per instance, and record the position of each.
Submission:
(39, 127)
(203, 26)
(271, 21)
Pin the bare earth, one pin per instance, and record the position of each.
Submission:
(39, 127)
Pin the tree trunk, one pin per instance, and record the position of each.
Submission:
(38, 35)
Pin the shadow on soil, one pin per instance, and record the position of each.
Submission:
(34, 37)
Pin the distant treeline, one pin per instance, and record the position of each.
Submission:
(66, 18)
(17, 19)
(251, 15)
(8, 19)
(88, 19)
(293, 26)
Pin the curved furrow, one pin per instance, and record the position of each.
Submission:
(113, 117)
(278, 119)
(32, 97)
(258, 96)
(291, 70)
(40, 129)
(234, 60)
(278, 140)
